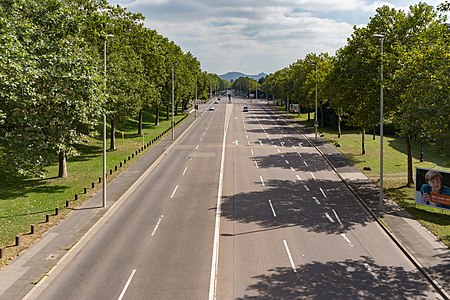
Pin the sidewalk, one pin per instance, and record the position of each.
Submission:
(418, 243)
(19, 277)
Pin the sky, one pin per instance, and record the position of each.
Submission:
(254, 36)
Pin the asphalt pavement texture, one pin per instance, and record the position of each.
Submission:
(20, 276)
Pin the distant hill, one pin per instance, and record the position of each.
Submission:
(235, 75)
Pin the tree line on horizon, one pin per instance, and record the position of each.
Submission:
(53, 88)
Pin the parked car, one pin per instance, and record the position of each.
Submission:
(245, 109)
(211, 108)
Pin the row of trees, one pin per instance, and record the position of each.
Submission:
(416, 77)
(53, 91)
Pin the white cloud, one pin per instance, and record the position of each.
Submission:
(255, 35)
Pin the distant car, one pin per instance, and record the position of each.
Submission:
(216, 102)
(211, 108)
(245, 109)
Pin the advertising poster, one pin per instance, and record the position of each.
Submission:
(433, 188)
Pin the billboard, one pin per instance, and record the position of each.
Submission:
(433, 188)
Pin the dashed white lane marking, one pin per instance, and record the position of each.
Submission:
(262, 181)
(289, 256)
(329, 217)
(185, 169)
(298, 177)
(126, 285)
(299, 154)
(174, 191)
(256, 164)
(157, 225)
(260, 143)
(196, 148)
(305, 163)
(286, 161)
(306, 187)
(370, 271)
(248, 142)
(314, 177)
(252, 152)
(347, 240)
(337, 217)
(317, 200)
(323, 193)
(273, 210)
(236, 142)
(293, 170)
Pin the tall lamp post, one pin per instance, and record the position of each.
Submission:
(104, 127)
(381, 37)
(173, 99)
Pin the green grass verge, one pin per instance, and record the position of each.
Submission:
(435, 220)
(26, 201)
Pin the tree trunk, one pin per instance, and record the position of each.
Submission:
(140, 123)
(157, 116)
(112, 145)
(410, 166)
(62, 164)
(362, 142)
(339, 123)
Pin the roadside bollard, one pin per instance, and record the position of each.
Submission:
(100, 179)
(115, 168)
(85, 190)
(93, 184)
(110, 171)
(56, 211)
(1, 253)
(32, 229)
(17, 240)
(47, 218)
(67, 203)
(76, 196)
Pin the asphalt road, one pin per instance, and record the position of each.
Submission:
(242, 207)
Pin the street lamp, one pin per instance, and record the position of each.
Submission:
(381, 37)
(173, 99)
(104, 126)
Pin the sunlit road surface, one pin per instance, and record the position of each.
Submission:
(242, 207)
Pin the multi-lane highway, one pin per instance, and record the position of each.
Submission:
(242, 206)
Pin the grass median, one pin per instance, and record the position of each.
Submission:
(26, 201)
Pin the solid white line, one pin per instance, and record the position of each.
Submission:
(314, 177)
(262, 181)
(290, 256)
(174, 191)
(126, 285)
(273, 210)
(215, 254)
(329, 218)
(323, 193)
(157, 225)
(337, 217)
(184, 172)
